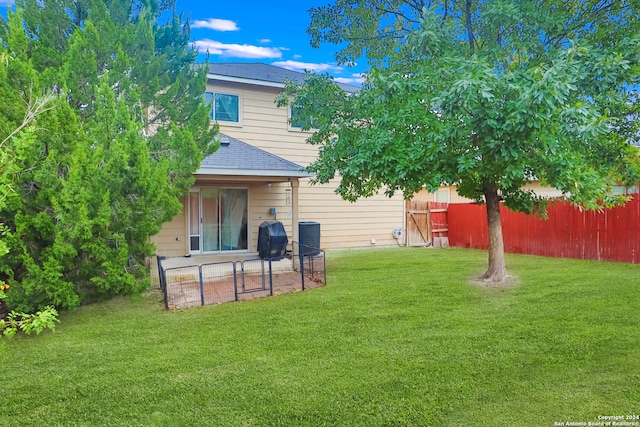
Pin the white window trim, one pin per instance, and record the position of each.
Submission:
(296, 128)
(225, 122)
(197, 189)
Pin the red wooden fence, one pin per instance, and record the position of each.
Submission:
(611, 235)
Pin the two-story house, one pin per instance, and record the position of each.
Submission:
(257, 175)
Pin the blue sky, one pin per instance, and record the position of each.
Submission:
(269, 31)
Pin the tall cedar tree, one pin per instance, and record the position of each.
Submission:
(106, 167)
(483, 94)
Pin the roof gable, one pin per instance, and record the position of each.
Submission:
(261, 74)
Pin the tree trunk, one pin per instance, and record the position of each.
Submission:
(496, 272)
(472, 40)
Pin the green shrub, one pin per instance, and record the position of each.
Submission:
(29, 323)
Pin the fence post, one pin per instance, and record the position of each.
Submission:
(324, 267)
(242, 273)
(270, 278)
(163, 281)
(159, 259)
(235, 281)
(201, 285)
(302, 268)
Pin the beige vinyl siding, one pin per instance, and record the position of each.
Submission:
(342, 224)
(261, 200)
(173, 239)
(544, 191)
(265, 125)
(345, 224)
(456, 198)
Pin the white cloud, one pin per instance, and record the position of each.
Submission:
(355, 79)
(214, 24)
(309, 66)
(236, 50)
(264, 41)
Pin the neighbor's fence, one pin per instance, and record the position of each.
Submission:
(611, 235)
(214, 283)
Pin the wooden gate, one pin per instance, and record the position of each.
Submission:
(427, 223)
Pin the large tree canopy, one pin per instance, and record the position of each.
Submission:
(483, 94)
(104, 168)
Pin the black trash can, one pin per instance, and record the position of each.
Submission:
(272, 240)
(309, 236)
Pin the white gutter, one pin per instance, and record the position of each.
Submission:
(252, 172)
(243, 80)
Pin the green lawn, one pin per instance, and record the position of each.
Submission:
(397, 338)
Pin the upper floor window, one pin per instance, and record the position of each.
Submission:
(296, 123)
(224, 107)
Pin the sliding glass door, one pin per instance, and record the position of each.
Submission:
(217, 219)
(210, 208)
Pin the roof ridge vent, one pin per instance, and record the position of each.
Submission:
(224, 140)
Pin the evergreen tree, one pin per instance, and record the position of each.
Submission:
(108, 164)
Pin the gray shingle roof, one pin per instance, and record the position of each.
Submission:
(263, 72)
(235, 157)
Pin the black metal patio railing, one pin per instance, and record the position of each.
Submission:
(302, 268)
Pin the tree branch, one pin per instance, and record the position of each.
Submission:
(558, 38)
(34, 108)
(397, 13)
